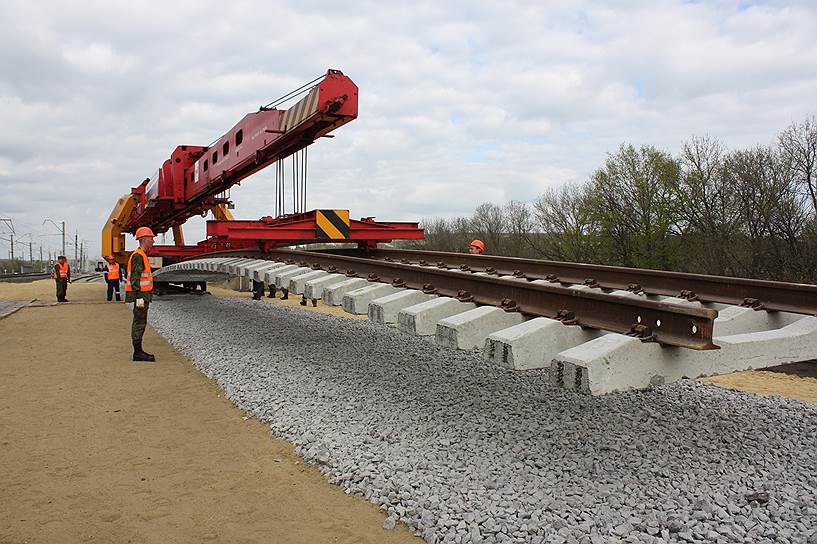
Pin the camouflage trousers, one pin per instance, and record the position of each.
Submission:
(140, 321)
(62, 289)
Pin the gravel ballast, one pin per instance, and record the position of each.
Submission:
(463, 451)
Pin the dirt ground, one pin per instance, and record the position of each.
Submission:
(96, 448)
(769, 383)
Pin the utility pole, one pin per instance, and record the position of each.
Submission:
(42, 266)
(62, 231)
(12, 251)
(31, 253)
(76, 248)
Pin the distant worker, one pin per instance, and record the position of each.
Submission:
(477, 247)
(111, 273)
(139, 290)
(62, 277)
(257, 289)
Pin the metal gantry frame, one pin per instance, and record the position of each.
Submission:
(196, 180)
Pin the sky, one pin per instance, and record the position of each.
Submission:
(460, 102)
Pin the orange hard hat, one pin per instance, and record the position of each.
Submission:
(141, 232)
(478, 243)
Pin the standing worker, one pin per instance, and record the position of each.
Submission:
(62, 277)
(477, 247)
(111, 272)
(257, 289)
(139, 290)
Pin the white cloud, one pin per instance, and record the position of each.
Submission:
(94, 57)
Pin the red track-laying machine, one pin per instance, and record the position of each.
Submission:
(195, 180)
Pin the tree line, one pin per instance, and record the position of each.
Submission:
(709, 209)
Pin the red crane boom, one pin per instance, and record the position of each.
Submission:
(194, 179)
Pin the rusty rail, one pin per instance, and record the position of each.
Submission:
(668, 324)
(758, 294)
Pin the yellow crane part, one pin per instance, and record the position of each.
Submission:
(113, 239)
(222, 213)
(178, 235)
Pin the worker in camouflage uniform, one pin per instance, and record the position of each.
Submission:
(139, 290)
(62, 277)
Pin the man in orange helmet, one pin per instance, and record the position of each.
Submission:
(477, 247)
(139, 290)
(111, 273)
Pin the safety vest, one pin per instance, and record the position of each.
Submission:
(113, 271)
(146, 280)
(63, 268)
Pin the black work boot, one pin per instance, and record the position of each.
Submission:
(303, 300)
(285, 293)
(140, 355)
(271, 292)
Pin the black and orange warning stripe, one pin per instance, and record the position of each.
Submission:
(300, 111)
(332, 224)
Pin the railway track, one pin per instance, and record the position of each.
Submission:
(33, 276)
(89, 277)
(597, 328)
(28, 276)
(757, 294)
(665, 323)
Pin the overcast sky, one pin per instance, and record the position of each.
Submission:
(460, 102)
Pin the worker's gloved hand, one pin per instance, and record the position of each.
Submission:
(140, 303)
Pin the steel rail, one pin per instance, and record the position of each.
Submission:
(24, 276)
(758, 294)
(668, 324)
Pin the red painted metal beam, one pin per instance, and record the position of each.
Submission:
(191, 180)
(302, 228)
(268, 233)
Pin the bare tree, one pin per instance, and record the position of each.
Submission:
(707, 207)
(798, 145)
(762, 191)
(440, 234)
(789, 222)
(520, 225)
(490, 224)
(565, 224)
